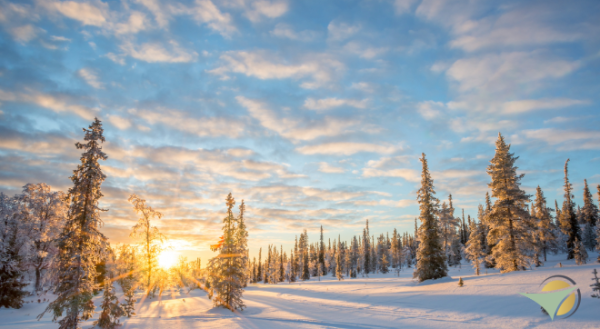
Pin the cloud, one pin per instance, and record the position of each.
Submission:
(410, 175)
(263, 65)
(501, 72)
(403, 6)
(136, 23)
(389, 162)
(325, 167)
(204, 126)
(338, 31)
(329, 103)
(200, 165)
(263, 8)
(527, 105)
(153, 52)
(240, 153)
(347, 148)
(525, 26)
(119, 122)
(431, 110)
(283, 30)
(94, 13)
(387, 203)
(364, 51)
(23, 33)
(56, 102)
(296, 129)
(90, 78)
(568, 139)
(161, 14)
(205, 12)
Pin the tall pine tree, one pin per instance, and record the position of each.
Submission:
(431, 262)
(509, 220)
(81, 245)
(544, 233)
(568, 218)
(11, 284)
(226, 270)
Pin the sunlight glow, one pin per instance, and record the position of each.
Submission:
(167, 259)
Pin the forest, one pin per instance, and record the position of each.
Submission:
(52, 241)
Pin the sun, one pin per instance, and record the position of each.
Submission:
(167, 259)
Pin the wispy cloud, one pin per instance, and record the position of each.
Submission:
(348, 148)
(329, 103)
(91, 78)
(263, 65)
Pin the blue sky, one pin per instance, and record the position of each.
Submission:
(313, 112)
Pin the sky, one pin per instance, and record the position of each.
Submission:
(315, 113)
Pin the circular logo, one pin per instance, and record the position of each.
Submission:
(569, 304)
(560, 297)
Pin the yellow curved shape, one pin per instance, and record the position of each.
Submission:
(555, 285)
(567, 305)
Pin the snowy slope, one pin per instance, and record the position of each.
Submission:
(381, 301)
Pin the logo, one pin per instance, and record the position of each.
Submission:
(560, 297)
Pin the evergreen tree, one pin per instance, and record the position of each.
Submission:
(11, 285)
(150, 239)
(509, 219)
(544, 235)
(589, 214)
(339, 271)
(580, 253)
(596, 285)
(475, 250)
(129, 306)
(322, 253)
(81, 245)
(259, 272)
(226, 271)
(568, 218)
(489, 259)
(431, 262)
(366, 251)
(111, 309)
(384, 263)
(241, 243)
(305, 270)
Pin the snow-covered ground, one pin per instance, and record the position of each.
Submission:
(380, 301)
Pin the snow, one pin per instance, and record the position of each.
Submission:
(380, 301)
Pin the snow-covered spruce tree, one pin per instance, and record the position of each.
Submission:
(11, 285)
(545, 229)
(431, 261)
(241, 241)
(598, 228)
(226, 269)
(475, 250)
(111, 308)
(596, 285)
(81, 245)
(448, 226)
(305, 263)
(150, 240)
(384, 263)
(366, 250)
(508, 220)
(44, 215)
(129, 293)
(339, 271)
(580, 253)
(589, 214)
(568, 219)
